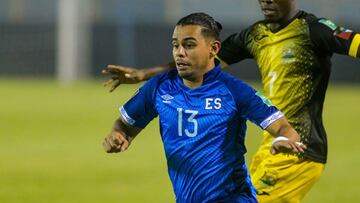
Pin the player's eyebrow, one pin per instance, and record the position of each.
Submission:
(185, 39)
(189, 38)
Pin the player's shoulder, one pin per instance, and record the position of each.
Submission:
(317, 23)
(308, 17)
(151, 87)
(255, 27)
(229, 79)
(162, 77)
(236, 86)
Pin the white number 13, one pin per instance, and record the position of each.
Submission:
(191, 119)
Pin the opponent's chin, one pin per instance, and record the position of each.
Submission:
(270, 15)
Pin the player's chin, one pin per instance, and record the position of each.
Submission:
(184, 73)
(271, 18)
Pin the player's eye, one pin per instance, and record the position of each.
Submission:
(189, 45)
(175, 45)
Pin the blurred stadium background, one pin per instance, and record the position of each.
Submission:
(54, 111)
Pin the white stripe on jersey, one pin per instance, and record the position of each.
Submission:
(269, 120)
(126, 117)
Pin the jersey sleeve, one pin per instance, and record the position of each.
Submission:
(234, 49)
(254, 106)
(140, 109)
(329, 38)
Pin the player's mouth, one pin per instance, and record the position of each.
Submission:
(182, 65)
(268, 11)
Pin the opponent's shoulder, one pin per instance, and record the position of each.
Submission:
(308, 17)
(255, 27)
(257, 23)
(318, 24)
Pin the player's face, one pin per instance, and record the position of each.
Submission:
(192, 52)
(277, 11)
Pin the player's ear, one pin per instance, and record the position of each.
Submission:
(215, 47)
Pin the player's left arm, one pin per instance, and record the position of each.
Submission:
(135, 115)
(120, 137)
(327, 37)
(131, 75)
(259, 109)
(286, 137)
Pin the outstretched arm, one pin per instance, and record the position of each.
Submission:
(120, 137)
(328, 38)
(128, 75)
(287, 139)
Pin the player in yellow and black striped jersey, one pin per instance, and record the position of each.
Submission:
(294, 61)
(292, 49)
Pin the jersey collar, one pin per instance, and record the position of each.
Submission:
(212, 74)
(282, 26)
(209, 77)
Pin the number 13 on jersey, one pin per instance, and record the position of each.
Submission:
(191, 120)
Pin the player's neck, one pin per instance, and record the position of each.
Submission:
(284, 21)
(193, 83)
(198, 81)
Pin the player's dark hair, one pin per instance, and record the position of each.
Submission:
(211, 28)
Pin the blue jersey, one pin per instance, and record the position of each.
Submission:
(203, 131)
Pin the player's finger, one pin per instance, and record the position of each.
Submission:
(106, 145)
(108, 71)
(124, 146)
(112, 143)
(300, 146)
(284, 146)
(131, 75)
(117, 69)
(109, 141)
(108, 82)
(118, 140)
(111, 71)
(296, 147)
(104, 71)
(273, 151)
(115, 85)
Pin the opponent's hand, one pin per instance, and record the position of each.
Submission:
(115, 142)
(122, 75)
(285, 145)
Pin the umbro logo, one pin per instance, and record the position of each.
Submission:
(166, 98)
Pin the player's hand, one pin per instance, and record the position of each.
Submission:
(115, 142)
(122, 75)
(286, 146)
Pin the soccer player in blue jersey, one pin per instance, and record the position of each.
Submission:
(203, 113)
(292, 49)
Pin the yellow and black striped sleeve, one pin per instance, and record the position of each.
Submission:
(329, 38)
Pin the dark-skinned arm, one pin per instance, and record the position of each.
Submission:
(129, 75)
